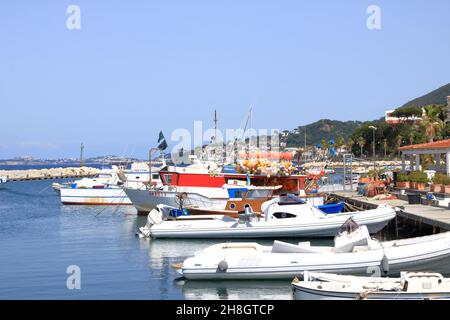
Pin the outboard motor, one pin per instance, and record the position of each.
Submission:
(247, 215)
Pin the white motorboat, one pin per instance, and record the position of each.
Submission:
(107, 187)
(354, 252)
(3, 180)
(283, 217)
(410, 286)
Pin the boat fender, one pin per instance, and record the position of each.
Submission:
(385, 264)
(222, 266)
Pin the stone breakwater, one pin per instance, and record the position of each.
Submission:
(52, 173)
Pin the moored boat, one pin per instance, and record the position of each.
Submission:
(410, 286)
(354, 252)
(286, 216)
(3, 180)
(107, 187)
(205, 183)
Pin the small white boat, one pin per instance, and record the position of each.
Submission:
(107, 187)
(3, 180)
(354, 252)
(283, 217)
(410, 286)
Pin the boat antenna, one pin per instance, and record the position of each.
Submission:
(249, 116)
(82, 155)
(215, 126)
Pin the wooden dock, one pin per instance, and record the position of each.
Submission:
(436, 217)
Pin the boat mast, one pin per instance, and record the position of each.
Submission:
(82, 155)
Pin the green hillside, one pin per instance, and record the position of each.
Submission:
(438, 96)
(322, 129)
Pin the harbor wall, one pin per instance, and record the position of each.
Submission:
(51, 173)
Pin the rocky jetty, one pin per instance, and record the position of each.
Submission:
(52, 173)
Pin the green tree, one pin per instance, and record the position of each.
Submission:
(350, 144)
(398, 143)
(361, 143)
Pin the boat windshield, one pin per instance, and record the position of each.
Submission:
(104, 175)
(290, 199)
(349, 226)
(258, 193)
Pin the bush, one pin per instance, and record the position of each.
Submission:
(439, 178)
(402, 177)
(418, 176)
(445, 180)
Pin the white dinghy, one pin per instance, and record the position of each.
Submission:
(283, 217)
(410, 286)
(354, 252)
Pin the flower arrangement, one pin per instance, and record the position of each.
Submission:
(266, 167)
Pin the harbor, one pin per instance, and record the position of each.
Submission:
(243, 152)
(435, 217)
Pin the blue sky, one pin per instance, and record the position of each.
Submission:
(137, 67)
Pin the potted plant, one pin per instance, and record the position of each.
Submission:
(446, 183)
(421, 179)
(364, 178)
(412, 179)
(438, 185)
(402, 181)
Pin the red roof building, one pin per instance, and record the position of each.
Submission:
(436, 148)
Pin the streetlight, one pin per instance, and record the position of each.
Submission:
(374, 169)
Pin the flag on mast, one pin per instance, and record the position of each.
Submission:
(162, 142)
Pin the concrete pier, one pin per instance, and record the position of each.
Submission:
(436, 217)
(45, 174)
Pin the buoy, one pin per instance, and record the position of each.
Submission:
(385, 264)
(223, 266)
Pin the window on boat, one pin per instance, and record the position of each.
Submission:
(283, 215)
(168, 179)
(103, 175)
(258, 193)
(290, 199)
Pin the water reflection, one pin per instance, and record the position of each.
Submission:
(235, 290)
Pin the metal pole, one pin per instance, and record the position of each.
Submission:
(345, 171)
(305, 145)
(374, 166)
(150, 166)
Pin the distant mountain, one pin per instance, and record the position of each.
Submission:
(438, 96)
(322, 129)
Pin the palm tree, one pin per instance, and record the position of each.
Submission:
(361, 143)
(385, 147)
(432, 122)
(398, 143)
(411, 137)
(350, 144)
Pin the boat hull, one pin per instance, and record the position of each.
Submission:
(147, 200)
(92, 196)
(317, 228)
(253, 264)
(302, 293)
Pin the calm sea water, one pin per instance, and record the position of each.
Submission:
(40, 238)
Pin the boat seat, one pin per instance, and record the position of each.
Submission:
(360, 248)
(284, 247)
